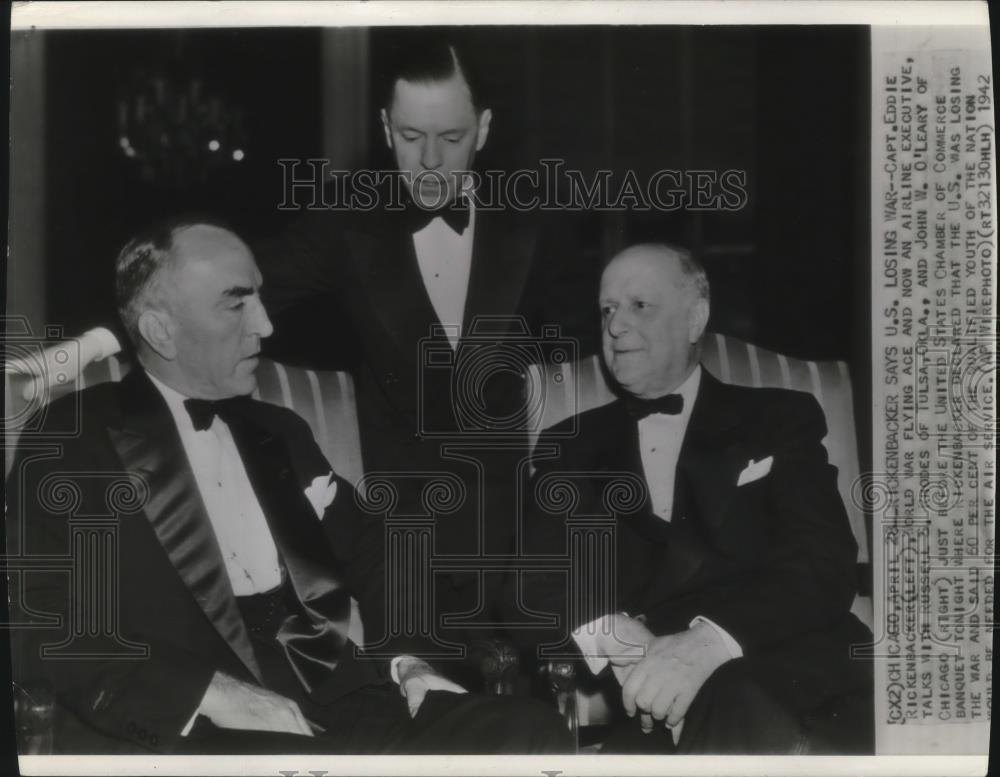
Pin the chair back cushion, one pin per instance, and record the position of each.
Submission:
(324, 399)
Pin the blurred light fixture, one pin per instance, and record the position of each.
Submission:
(174, 130)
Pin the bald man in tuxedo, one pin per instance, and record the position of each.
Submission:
(733, 574)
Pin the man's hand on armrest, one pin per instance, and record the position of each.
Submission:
(662, 685)
(62, 363)
(232, 703)
(415, 678)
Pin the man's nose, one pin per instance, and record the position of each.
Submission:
(430, 157)
(617, 323)
(260, 323)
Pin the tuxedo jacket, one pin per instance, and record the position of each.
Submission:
(175, 620)
(358, 271)
(771, 561)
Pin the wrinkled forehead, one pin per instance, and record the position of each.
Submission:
(204, 241)
(649, 270)
(211, 255)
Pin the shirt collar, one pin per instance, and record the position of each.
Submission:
(688, 391)
(175, 401)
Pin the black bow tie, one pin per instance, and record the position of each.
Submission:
(671, 404)
(204, 411)
(455, 215)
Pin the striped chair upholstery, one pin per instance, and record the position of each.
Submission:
(579, 387)
(324, 399)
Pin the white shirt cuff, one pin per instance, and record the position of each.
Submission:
(585, 637)
(394, 668)
(194, 715)
(187, 729)
(735, 651)
(104, 342)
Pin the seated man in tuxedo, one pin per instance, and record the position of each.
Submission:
(221, 622)
(727, 620)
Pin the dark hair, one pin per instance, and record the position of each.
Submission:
(426, 56)
(142, 259)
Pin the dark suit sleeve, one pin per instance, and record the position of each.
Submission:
(357, 539)
(808, 580)
(563, 285)
(540, 591)
(304, 286)
(147, 700)
(299, 262)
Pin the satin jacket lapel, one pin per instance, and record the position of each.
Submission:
(655, 556)
(620, 453)
(501, 260)
(149, 445)
(386, 264)
(315, 637)
(623, 454)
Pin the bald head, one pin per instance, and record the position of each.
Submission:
(191, 294)
(678, 266)
(204, 242)
(654, 308)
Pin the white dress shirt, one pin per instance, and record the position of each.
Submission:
(660, 438)
(237, 519)
(445, 261)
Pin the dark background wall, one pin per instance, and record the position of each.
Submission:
(96, 196)
(789, 270)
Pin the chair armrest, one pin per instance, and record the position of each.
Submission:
(34, 717)
(562, 684)
(497, 662)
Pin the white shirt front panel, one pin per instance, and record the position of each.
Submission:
(660, 439)
(445, 261)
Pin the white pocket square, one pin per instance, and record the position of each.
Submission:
(321, 493)
(755, 470)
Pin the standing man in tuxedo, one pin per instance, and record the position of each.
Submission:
(447, 305)
(733, 573)
(236, 550)
(437, 309)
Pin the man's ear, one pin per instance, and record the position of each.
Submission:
(157, 331)
(385, 127)
(483, 131)
(698, 319)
